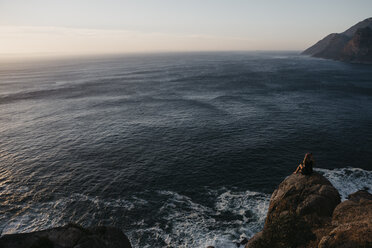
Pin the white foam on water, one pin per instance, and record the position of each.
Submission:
(241, 202)
(188, 223)
(181, 221)
(194, 225)
(348, 180)
(44, 215)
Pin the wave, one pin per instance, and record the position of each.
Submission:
(37, 216)
(348, 180)
(180, 220)
(168, 218)
(232, 216)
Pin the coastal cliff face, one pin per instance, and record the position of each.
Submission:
(70, 236)
(353, 45)
(305, 211)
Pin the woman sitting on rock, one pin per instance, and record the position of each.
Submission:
(306, 167)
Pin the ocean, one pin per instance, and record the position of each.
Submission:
(178, 149)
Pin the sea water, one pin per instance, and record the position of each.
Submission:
(177, 150)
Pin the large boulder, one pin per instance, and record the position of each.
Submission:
(310, 197)
(70, 236)
(352, 221)
(299, 214)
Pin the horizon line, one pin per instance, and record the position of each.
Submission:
(61, 55)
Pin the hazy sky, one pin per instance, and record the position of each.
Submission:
(118, 26)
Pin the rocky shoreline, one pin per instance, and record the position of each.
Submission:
(304, 211)
(69, 236)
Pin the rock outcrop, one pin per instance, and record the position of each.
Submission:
(353, 45)
(305, 211)
(352, 222)
(70, 236)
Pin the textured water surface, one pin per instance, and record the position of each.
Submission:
(178, 150)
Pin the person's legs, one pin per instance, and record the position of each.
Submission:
(299, 168)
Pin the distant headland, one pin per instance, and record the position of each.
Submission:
(354, 45)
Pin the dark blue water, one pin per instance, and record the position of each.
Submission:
(178, 150)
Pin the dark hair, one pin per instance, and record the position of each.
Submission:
(307, 158)
(307, 164)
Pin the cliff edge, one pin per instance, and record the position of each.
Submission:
(305, 211)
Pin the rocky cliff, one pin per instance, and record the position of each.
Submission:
(70, 236)
(305, 211)
(353, 45)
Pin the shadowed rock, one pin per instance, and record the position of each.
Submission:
(70, 236)
(311, 197)
(299, 207)
(305, 211)
(352, 221)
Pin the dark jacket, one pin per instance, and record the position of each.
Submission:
(307, 169)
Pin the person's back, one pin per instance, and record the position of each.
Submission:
(307, 168)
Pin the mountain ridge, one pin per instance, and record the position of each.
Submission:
(352, 45)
